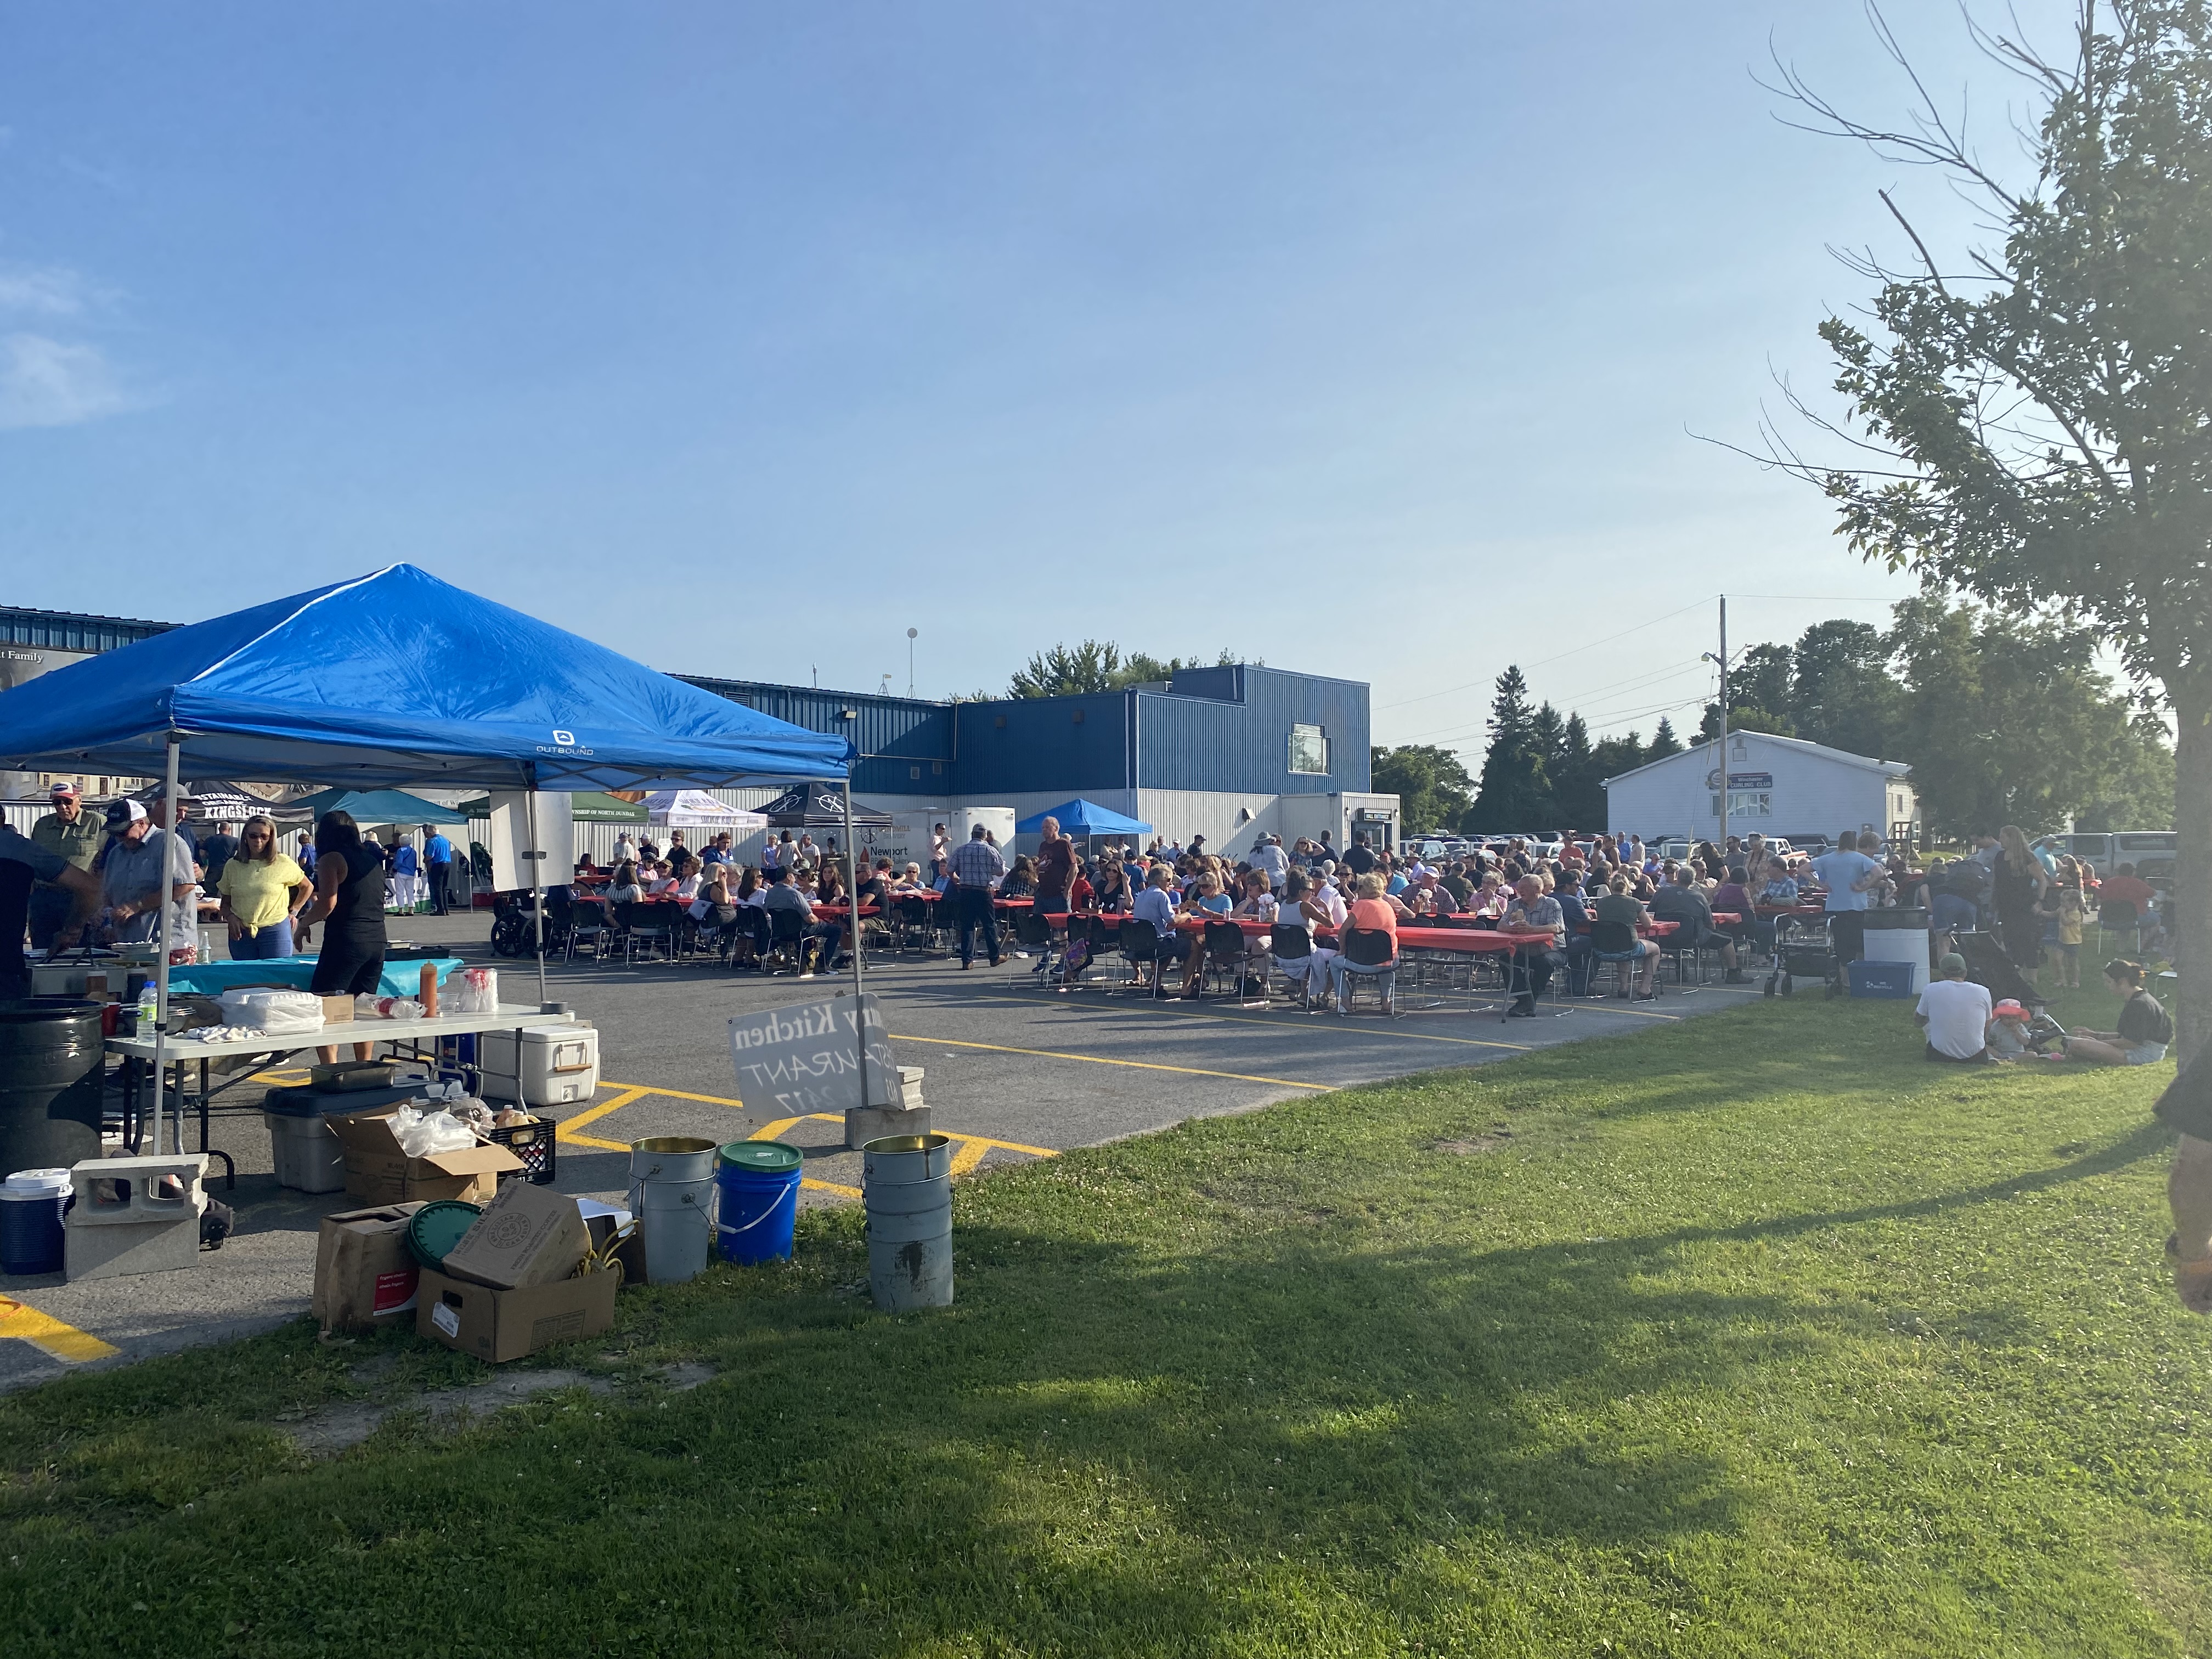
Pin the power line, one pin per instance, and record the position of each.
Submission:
(1592, 645)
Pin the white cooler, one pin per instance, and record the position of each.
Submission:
(1900, 934)
(559, 1064)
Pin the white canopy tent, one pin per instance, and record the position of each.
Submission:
(694, 809)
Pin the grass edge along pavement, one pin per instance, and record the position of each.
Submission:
(1756, 1333)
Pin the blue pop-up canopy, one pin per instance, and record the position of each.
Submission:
(396, 679)
(1082, 817)
(374, 806)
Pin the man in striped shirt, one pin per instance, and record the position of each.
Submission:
(976, 868)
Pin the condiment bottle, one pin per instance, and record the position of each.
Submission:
(428, 998)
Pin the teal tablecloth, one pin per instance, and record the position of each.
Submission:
(401, 979)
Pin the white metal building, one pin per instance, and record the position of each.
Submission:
(1777, 786)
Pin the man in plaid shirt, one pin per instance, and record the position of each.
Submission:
(976, 868)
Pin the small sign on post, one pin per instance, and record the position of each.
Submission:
(830, 1057)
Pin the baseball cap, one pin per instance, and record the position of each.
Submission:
(63, 790)
(1952, 962)
(122, 813)
(2009, 1009)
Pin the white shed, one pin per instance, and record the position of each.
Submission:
(1777, 786)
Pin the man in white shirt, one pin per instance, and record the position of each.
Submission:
(1156, 906)
(1956, 1013)
(625, 848)
(1270, 857)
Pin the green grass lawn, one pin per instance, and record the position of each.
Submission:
(1757, 1335)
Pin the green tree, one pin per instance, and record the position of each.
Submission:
(1431, 784)
(2047, 417)
(1841, 693)
(1094, 665)
(1577, 782)
(1663, 741)
(1513, 793)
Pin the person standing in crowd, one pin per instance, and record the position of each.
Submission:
(2017, 885)
(24, 863)
(350, 894)
(1848, 876)
(131, 878)
(1270, 857)
(625, 848)
(1055, 871)
(216, 851)
(74, 835)
(2187, 1108)
(304, 853)
(263, 892)
(941, 851)
(973, 866)
(438, 860)
(406, 872)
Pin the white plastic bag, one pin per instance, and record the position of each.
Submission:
(273, 1012)
(422, 1134)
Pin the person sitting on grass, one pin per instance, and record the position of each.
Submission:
(2145, 1027)
(2005, 1036)
(1956, 1013)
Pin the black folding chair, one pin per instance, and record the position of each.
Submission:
(1370, 954)
(653, 926)
(1224, 952)
(915, 922)
(1141, 943)
(1615, 942)
(587, 925)
(786, 941)
(1033, 931)
(1288, 944)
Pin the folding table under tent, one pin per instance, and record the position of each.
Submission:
(1082, 817)
(392, 679)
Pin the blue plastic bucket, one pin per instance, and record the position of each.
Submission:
(757, 1186)
(32, 1204)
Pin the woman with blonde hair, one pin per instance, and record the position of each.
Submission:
(263, 892)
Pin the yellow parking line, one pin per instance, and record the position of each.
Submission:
(566, 1131)
(44, 1332)
(1301, 1024)
(952, 1134)
(677, 1094)
(830, 1186)
(971, 1154)
(1138, 1065)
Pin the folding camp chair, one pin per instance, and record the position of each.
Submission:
(1370, 953)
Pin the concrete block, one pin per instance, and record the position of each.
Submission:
(143, 1233)
(865, 1123)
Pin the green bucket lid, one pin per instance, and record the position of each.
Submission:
(762, 1157)
(435, 1229)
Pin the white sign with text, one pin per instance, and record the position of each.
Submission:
(810, 1057)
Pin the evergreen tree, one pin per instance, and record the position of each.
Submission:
(1663, 741)
(1513, 791)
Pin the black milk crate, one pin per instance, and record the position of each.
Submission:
(534, 1145)
(1808, 961)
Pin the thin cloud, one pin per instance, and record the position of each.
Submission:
(49, 382)
(42, 290)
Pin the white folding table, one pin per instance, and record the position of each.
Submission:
(182, 1050)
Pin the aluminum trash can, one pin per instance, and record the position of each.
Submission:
(671, 1193)
(906, 1186)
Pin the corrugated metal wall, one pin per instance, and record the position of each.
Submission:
(62, 630)
(1057, 747)
(1196, 742)
(906, 745)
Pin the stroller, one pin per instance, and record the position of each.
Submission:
(1803, 950)
(1987, 964)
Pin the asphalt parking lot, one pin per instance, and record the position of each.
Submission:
(1013, 1071)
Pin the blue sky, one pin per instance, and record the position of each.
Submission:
(1368, 340)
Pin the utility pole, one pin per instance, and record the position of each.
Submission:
(1720, 747)
(910, 633)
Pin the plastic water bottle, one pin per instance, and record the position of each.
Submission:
(149, 1008)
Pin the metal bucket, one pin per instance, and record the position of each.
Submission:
(675, 1219)
(671, 1158)
(51, 1058)
(907, 1187)
(897, 1159)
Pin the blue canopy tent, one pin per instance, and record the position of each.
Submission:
(374, 806)
(392, 679)
(1082, 817)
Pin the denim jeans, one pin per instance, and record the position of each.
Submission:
(977, 910)
(274, 940)
(1339, 975)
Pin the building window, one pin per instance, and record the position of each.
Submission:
(1310, 749)
(1745, 804)
(913, 771)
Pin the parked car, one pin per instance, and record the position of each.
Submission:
(2106, 851)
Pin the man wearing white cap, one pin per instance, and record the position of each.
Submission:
(131, 880)
(72, 835)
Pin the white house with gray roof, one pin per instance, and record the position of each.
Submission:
(1777, 786)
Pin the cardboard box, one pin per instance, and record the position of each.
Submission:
(378, 1172)
(498, 1326)
(337, 1010)
(365, 1278)
(527, 1234)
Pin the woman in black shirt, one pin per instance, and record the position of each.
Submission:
(350, 893)
(2145, 1027)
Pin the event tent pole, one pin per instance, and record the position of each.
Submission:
(167, 901)
(868, 1098)
(536, 857)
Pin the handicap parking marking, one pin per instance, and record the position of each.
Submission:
(969, 1150)
(49, 1335)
